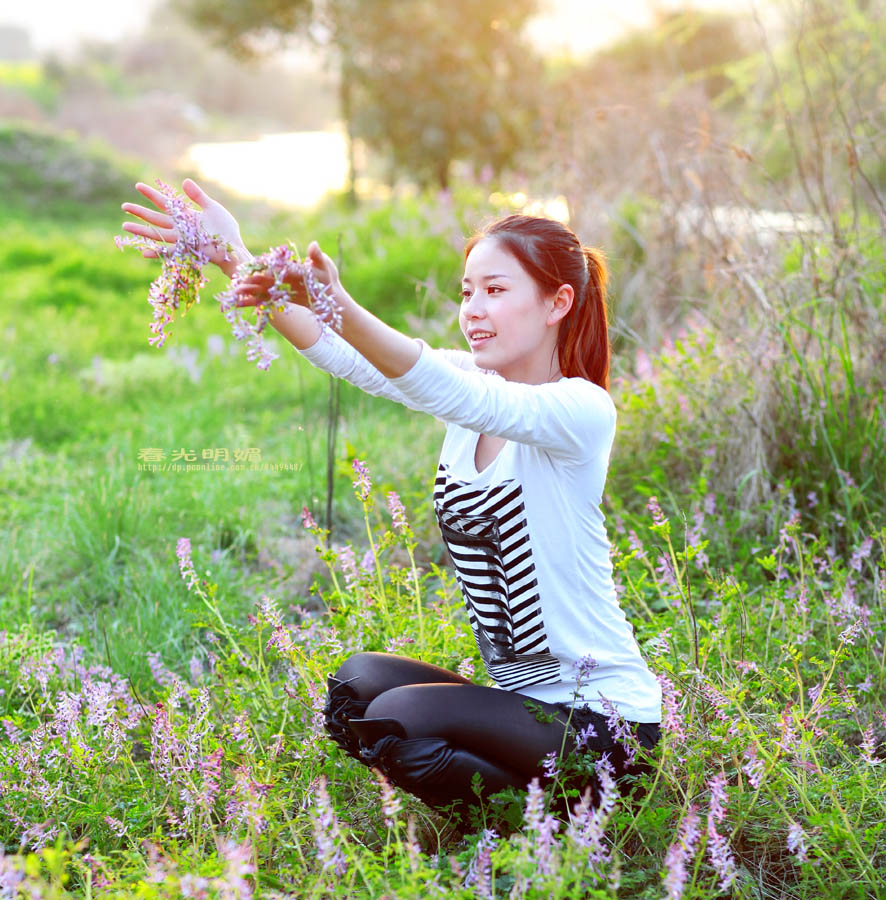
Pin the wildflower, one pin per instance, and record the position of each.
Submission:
(394, 644)
(796, 842)
(720, 855)
(585, 735)
(195, 667)
(348, 564)
(584, 666)
(550, 764)
(848, 635)
(654, 509)
(665, 569)
(717, 700)
(398, 512)
(160, 673)
(754, 767)
(636, 544)
(718, 796)
(867, 685)
(619, 728)
(466, 668)
(232, 885)
(116, 826)
(245, 805)
(868, 744)
(181, 275)
(281, 264)
(307, 519)
(480, 869)
(362, 484)
(327, 832)
(186, 566)
(367, 561)
(672, 719)
(413, 849)
(680, 853)
(746, 665)
(390, 802)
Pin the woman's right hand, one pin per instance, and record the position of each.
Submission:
(214, 217)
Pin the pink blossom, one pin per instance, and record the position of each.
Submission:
(307, 519)
(390, 802)
(680, 853)
(654, 509)
(466, 668)
(796, 842)
(362, 484)
(479, 874)
(398, 512)
(327, 831)
(720, 855)
(754, 767)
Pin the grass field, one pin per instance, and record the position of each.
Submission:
(165, 635)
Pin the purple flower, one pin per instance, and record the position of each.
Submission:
(282, 265)
(186, 566)
(348, 564)
(718, 796)
(307, 519)
(585, 735)
(672, 720)
(479, 874)
(754, 767)
(362, 484)
(654, 509)
(584, 666)
(868, 744)
(466, 668)
(550, 764)
(720, 855)
(327, 832)
(398, 512)
(680, 853)
(390, 802)
(796, 842)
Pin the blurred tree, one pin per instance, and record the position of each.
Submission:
(422, 82)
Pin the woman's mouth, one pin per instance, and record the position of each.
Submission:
(480, 339)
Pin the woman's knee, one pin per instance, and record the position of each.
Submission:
(398, 703)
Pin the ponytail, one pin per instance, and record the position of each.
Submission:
(583, 341)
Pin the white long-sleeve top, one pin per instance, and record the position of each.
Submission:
(526, 535)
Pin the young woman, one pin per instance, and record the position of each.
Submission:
(529, 428)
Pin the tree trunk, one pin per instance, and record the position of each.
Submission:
(344, 99)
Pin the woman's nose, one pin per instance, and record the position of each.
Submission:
(471, 307)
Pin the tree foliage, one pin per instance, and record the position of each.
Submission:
(423, 83)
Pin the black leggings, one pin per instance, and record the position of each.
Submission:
(426, 708)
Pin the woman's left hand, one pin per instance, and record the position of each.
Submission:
(253, 290)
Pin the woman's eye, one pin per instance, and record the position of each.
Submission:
(493, 287)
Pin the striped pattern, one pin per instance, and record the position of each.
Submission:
(486, 532)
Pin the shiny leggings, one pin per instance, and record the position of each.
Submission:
(429, 709)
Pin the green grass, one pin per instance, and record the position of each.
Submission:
(747, 613)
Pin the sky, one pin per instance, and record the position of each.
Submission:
(574, 26)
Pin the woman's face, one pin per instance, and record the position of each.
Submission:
(506, 323)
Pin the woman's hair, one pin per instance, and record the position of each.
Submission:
(552, 255)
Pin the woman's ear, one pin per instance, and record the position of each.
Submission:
(562, 303)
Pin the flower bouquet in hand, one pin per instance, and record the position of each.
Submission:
(185, 238)
(285, 279)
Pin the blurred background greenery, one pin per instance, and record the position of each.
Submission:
(728, 161)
